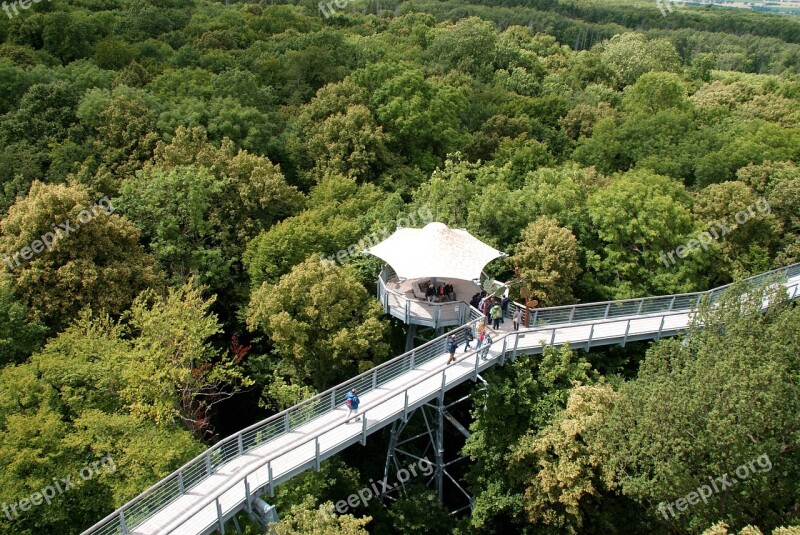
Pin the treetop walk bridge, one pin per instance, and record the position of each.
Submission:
(199, 497)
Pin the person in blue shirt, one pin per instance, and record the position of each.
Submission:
(352, 401)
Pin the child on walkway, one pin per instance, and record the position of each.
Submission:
(352, 401)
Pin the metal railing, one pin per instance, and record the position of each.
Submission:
(476, 355)
(188, 476)
(633, 307)
(418, 311)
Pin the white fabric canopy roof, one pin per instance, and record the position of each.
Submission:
(435, 251)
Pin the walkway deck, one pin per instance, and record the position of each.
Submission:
(198, 498)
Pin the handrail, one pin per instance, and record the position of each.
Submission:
(536, 312)
(284, 416)
(362, 414)
(281, 416)
(403, 390)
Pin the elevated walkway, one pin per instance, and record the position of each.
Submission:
(198, 498)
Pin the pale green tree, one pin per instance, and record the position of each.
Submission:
(559, 466)
(547, 261)
(631, 54)
(654, 92)
(96, 262)
(305, 518)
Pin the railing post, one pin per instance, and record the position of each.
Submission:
(571, 314)
(413, 357)
(405, 406)
(208, 462)
(333, 399)
(697, 303)
(627, 330)
(248, 504)
(240, 444)
(671, 304)
(477, 363)
(374, 379)
(364, 429)
(639, 310)
(181, 486)
(408, 311)
(658, 336)
(122, 525)
(608, 308)
(269, 480)
(553, 338)
(516, 345)
(286, 422)
(219, 517)
(589, 342)
(316, 455)
(535, 317)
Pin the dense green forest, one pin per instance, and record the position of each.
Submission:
(173, 171)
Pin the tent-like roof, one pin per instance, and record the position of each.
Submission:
(435, 251)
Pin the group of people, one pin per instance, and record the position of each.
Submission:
(471, 333)
(495, 309)
(439, 294)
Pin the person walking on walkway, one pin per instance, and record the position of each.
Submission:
(497, 315)
(516, 318)
(452, 345)
(469, 332)
(485, 352)
(352, 401)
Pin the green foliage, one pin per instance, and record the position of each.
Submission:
(705, 405)
(99, 263)
(305, 517)
(19, 336)
(240, 141)
(637, 217)
(524, 395)
(547, 262)
(322, 321)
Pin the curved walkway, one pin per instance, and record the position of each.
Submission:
(199, 497)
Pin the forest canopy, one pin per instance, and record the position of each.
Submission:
(178, 176)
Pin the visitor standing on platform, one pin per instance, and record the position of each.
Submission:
(504, 307)
(497, 314)
(516, 318)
